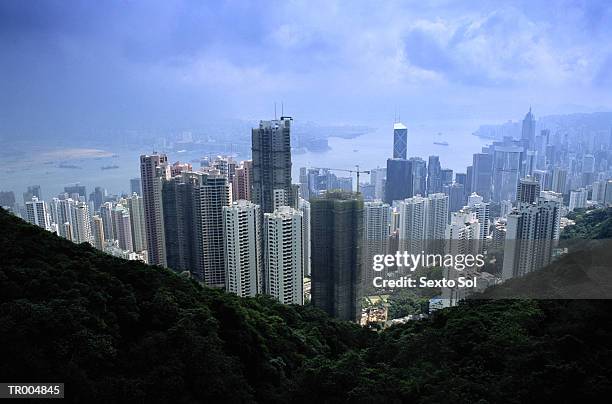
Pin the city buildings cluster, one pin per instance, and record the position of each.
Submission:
(245, 227)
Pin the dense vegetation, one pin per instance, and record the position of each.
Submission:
(115, 330)
(590, 224)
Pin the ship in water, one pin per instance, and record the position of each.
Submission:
(442, 143)
(109, 167)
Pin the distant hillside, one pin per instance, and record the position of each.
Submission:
(584, 273)
(119, 331)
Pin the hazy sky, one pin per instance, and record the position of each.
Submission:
(88, 64)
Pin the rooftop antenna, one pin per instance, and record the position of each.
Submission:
(282, 109)
(274, 110)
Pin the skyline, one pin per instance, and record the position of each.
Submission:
(76, 67)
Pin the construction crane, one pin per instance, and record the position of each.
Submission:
(356, 170)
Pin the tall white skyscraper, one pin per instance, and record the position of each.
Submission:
(139, 240)
(483, 215)
(154, 170)
(211, 195)
(559, 180)
(60, 211)
(423, 222)
(437, 216)
(376, 231)
(304, 206)
(377, 178)
(37, 214)
(283, 256)
(122, 227)
(106, 214)
(463, 233)
(412, 219)
(242, 246)
(531, 233)
(578, 199)
(81, 223)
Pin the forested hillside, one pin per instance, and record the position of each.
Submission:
(116, 330)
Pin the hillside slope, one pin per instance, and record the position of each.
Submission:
(115, 330)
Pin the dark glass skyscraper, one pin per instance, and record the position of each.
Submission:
(271, 148)
(135, 186)
(399, 180)
(400, 141)
(419, 176)
(434, 176)
(336, 239)
(482, 172)
(193, 222)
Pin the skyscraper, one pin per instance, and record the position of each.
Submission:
(135, 206)
(271, 149)
(178, 197)
(61, 215)
(97, 228)
(378, 177)
(81, 223)
(434, 175)
(578, 199)
(506, 171)
(153, 171)
(193, 221)
(419, 176)
(242, 181)
(33, 190)
(122, 227)
(377, 227)
(412, 224)
(37, 214)
(107, 220)
(304, 206)
(135, 186)
(482, 210)
(437, 220)
(283, 255)
(212, 193)
(97, 197)
(423, 222)
(531, 234)
(456, 196)
(243, 249)
(76, 189)
(399, 180)
(463, 233)
(528, 190)
(446, 175)
(528, 130)
(482, 173)
(336, 238)
(559, 180)
(400, 141)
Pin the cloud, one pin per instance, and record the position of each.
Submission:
(126, 62)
